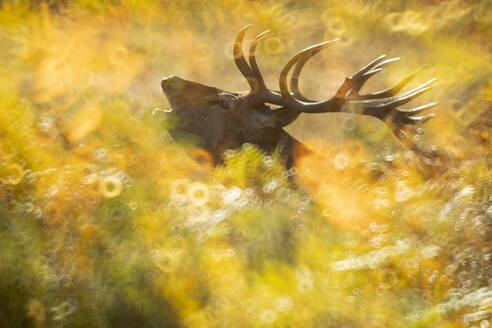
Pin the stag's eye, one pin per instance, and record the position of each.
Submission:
(224, 104)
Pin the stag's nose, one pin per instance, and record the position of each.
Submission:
(171, 83)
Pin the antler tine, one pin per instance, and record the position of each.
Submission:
(361, 77)
(272, 96)
(372, 64)
(417, 110)
(252, 58)
(264, 94)
(294, 80)
(380, 107)
(392, 90)
(240, 61)
(289, 100)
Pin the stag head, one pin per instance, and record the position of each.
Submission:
(224, 120)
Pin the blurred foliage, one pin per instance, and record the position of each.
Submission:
(106, 222)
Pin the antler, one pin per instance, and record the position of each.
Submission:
(379, 104)
(259, 92)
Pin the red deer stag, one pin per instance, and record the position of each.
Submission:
(225, 120)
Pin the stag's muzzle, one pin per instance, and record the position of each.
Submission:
(172, 83)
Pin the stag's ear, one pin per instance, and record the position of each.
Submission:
(284, 116)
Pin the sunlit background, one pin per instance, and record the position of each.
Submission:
(106, 222)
